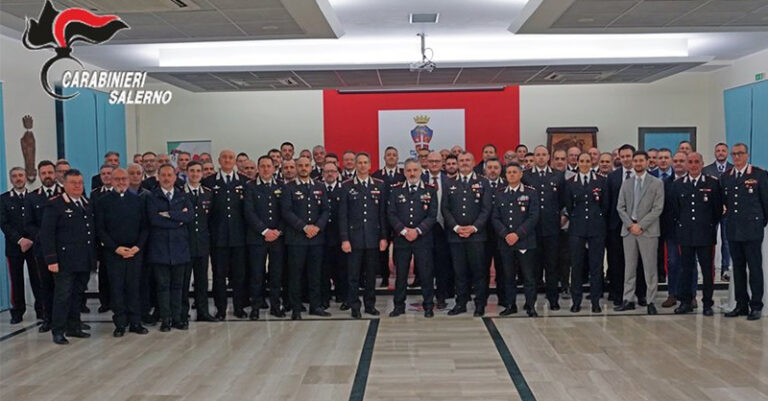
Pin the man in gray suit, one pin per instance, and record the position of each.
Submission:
(640, 203)
(716, 169)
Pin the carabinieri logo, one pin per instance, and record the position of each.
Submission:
(58, 30)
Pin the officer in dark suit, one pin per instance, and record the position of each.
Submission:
(105, 173)
(304, 208)
(716, 169)
(492, 253)
(68, 237)
(122, 230)
(169, 212)
(442, 268)
(151, 183)
(34, 205)
(18, 245)
(412, 213)
(515, 215)
(489, 150)
(265, 237)
(696, 230)
(111, 158)
(227, 226)
(614, 241)
(466, 207)
(318, 155)
(551, 189)
(745, 194)
(391, 175)
(363, 232)
(201, 199)
(334, 260)
(587, 203)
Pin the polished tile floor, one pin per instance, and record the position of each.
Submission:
(559, 356)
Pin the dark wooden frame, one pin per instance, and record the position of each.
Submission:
(591, 131)
(641, 131)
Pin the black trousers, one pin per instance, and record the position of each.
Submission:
(515, 262)
(69, 289)
(103, 272)
(365, 261)
(493, 255)
(228, 263)
(199, 268)
(258, 254)
(16, 275)
(615, 246)
(593, 248)
(300, 259)
(442, 265)
(547, 250)
(124, 282)
(422, 262)
(148, 289)
(46, 286)
(384, 265)
(334, 269)
(747, 255)
(170, 280)
(688, 256)
(469, 261)
(563, 260)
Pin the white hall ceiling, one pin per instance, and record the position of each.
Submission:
(242, 45)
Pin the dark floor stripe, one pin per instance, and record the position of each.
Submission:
(509, 362)
(361, 376)
(19, 331)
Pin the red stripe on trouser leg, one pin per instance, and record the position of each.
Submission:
(10, 281)
(666, 258)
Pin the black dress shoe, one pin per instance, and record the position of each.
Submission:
(441, 305)
(60, 339)
(44, 327)
(429, 313)
(221, 316)
(344, 306)
(625, 307)
(596, 308)
(296, 315)
(240, 314)
(78, 334)
(397, 312)
(206, 318)
(138, 329)
(708, 312)
(356, 314)
(165, 326)
(149, 320)
(325, 305)
(739, 311)
(183, 325)
(320, 312)
(684, 307)
(372, 311)
(652, 309)
(84, 326)
(754, 314)
(119, 332)
(457, 310)
(103, 309)
(509, 310)
(532, 312)
(264, 304)
(85, 309)
(642, 302)
(479, 311)
(616, 304)
(277, 312)
(16, 319)
(254, 314)
(575, 308)
(303, 308)
(554, 306)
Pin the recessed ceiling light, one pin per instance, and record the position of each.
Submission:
(422, 18)
(582, 20)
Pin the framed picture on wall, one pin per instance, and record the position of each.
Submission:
(568, 137)
(665, 137)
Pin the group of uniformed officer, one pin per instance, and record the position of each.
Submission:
(315, 234)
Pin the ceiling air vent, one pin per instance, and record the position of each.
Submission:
(137, 6)
(420, 18)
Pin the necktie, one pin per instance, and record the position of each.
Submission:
(738, 175)
(464, 180)
(664, 176)
(436, 183)
(584, 180)
(77, 203)
(493, 185)
(169, 195)
(695, 182)
(21, 195)
(194, 192)
(227, 179)
(721, 168)
(48, 193)
(636, 197)
(628, 173)
(330, 188)
(541, 173)
(412, 188)
(391, 174)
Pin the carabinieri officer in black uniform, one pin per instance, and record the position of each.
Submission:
(363, 232)
(412, 213)
(304, 207)
(587, 204)
(68, 236)
(514, 217)
(696, 210)
(467, 209)
(745, 195)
